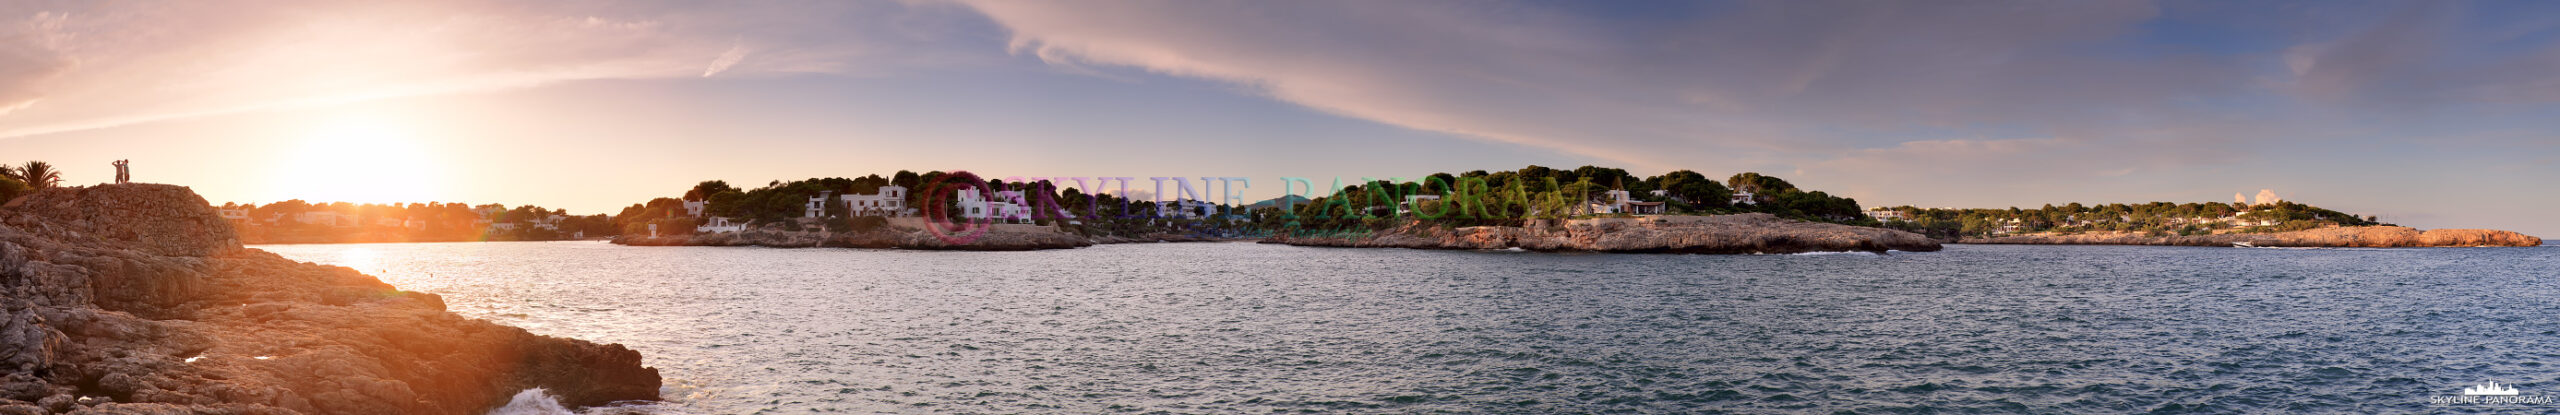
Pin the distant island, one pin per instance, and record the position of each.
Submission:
(299, 222)
(2269, 221)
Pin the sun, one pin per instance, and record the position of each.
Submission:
(360, 160)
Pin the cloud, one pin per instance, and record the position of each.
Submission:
(1675, 89)
(31, 57)
(727, 59)
(2424, 55)
(88, 65)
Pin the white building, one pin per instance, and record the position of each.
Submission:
(1619, 201)
(720, 225)
(891, 200)
(1185, 209)
(817, 206)
(1886, 214)
(1007, 206)
(694, 207)
(1412, 202)
(234, 215)
(1744, 197)
(325, 218)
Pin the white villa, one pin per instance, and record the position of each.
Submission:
(1185, 209)
(1412, 202)
(1886, 214)
(234, 215)
(817, 206)
(1006, 207)
(1619, 201)
(549, 222)
(694, 207)
(891, 201)
(1744, 197)
(720, 225)
(325, 218)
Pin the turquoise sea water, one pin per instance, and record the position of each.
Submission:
(1249, 328)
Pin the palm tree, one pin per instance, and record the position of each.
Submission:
(35, 174)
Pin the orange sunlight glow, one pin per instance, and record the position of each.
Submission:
(358, 160)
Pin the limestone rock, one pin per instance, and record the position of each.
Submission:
(136, 298)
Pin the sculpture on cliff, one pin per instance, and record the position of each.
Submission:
(123, 172)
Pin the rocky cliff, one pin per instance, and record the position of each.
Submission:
(2361, 236)
(136, 298)
(1749, 233)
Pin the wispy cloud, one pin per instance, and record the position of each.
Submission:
(737, 52)
(81, 65)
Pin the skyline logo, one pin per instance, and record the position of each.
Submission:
(2490, 393)
(2489, 389)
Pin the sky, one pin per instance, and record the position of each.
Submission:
(2427, 114)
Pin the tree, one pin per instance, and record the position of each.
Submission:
(1694, 189)
(10, 188)
(704, 190)
(906, 179)
(35, 175)
(1758, 184)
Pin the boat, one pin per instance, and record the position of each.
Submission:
(2243, 245)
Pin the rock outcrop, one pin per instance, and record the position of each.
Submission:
(136, 298)
(1749, 233)
(2337, 237)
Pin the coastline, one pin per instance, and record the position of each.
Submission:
(2335, 237)
(1747, 233)
(137, 298)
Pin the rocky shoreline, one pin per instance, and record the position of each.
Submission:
(996, 239)
(886, 238)
(2338, 237)
(1748, 233)
(137, 298)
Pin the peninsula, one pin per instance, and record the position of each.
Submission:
(2268, 221)
(138, 298)
(1531, 208)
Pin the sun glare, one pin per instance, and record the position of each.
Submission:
(359, 161)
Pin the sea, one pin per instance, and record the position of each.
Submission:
(1230, 328)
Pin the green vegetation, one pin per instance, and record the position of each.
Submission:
(1509, 198)
(1463, 199)
(34, 174)
(2155, 218)
(27, 178)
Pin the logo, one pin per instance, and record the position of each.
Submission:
(2490, 393)
(2489, 389)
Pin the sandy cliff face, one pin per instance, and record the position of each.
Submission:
(1723, 234)
(2361, 236)
(137, 299)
